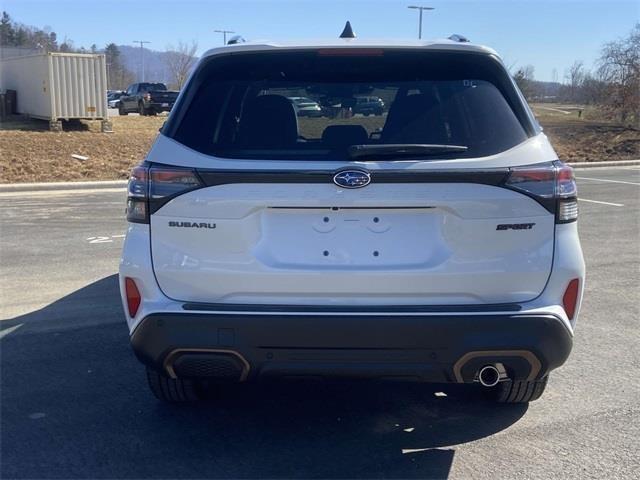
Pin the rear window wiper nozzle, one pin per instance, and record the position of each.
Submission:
(402, 150)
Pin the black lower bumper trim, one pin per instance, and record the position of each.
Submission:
(232, 307)
(435, 348)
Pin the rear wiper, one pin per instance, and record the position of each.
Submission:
(402, 150)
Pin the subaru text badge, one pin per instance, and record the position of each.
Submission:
(352, 179)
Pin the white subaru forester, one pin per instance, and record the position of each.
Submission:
(435, 242)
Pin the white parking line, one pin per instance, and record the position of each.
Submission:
(103, 239)
(8, 330)
(607, 180)
(601, 203)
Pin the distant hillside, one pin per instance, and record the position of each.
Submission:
(546, 89)
(155, 67)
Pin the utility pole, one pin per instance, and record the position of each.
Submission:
(421, 9)
(141, 42)
(224, 35)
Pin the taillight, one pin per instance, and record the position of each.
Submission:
(567, 194)
(138, 195)
(169, 182)
(151, 187)
(551, 184)
(570, 298)
(133, 296)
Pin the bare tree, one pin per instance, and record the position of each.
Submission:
(592, 90)
(525, 79)
(574, 77)
(619, 67)
(180, 60)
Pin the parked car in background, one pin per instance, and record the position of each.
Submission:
(369, 106)
(113, 98)
(147, 99)
(305, 107)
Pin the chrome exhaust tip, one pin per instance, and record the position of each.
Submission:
(489, 376)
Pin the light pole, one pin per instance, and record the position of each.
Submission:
(224, 35)
(421, 9)
(142, 42)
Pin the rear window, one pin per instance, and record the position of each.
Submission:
(319, 105)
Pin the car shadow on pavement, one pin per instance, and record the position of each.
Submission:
(74, 403)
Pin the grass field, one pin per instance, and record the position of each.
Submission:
(30, 153)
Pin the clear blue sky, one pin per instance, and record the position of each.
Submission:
(546, 34)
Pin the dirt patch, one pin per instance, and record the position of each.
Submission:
(585, 134)
(30, 153)
(593, 142)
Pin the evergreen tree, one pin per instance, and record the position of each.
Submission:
(7, 32)
(118, 77)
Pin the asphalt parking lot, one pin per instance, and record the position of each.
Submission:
(74, 401)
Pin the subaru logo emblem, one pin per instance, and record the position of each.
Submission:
(352, 179)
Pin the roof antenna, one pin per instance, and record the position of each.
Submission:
(348, 31)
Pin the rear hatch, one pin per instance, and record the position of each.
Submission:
(266, 214)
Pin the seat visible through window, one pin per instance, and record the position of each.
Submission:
(268, 121)
(340, 136)
(415, 119)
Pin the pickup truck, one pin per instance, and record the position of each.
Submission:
(147, 99)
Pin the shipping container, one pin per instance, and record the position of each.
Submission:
(58, 86)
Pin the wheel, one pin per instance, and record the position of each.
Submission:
(172, 390)
(121, 110)
(520, 392)
(141, 110)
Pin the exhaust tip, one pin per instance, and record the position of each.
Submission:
(489, 376)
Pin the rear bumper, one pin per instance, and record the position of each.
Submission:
(431, 348)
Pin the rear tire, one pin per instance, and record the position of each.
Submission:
(520, 392)
(172, 390)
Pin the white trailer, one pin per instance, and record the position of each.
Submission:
(58, 86)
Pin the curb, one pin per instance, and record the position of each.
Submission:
(614, 163)
(28, 187)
